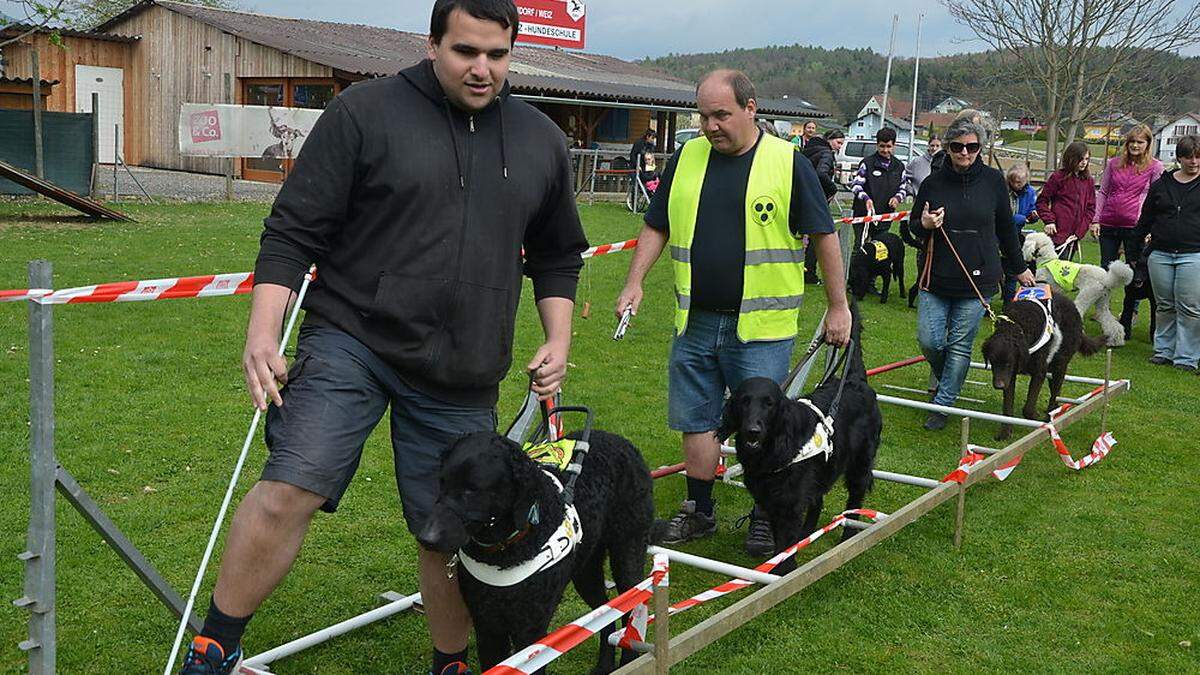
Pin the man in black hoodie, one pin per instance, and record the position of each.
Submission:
(415, 196)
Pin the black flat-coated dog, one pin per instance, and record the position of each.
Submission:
(500, 510)
(1139, 289)
(881, 256)
(772, 431)
(1007, 352)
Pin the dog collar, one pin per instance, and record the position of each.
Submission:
(555, 550)
(822, 438)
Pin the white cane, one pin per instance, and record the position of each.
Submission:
(237, 472)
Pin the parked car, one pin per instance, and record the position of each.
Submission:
(857, 149)
(684, 135)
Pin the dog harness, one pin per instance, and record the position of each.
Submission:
(557, 454)
(555, 550)
(1064, 273)
(822, 438)
(1041, 296)
(881, 252)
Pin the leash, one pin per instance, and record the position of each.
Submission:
(927, 273)
(582, 445)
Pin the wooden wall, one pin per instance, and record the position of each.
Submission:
(180, 60)
(15, 96)
(58, 63)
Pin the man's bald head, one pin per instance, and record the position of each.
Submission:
(725, 99)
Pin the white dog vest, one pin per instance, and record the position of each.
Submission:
(822, 438)
(555, 550)
(1040, 296)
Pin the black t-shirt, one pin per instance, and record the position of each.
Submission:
(719, 244)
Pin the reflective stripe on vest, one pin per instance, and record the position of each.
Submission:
(1064, 273)
(773, 276)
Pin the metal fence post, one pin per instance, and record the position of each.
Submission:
(40, 550)
(228, 160)
(95, 145)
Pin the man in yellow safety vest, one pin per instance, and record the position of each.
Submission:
(732, 206)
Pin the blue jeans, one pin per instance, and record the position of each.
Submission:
(1176, 279)
(707, 359)
(946, 329)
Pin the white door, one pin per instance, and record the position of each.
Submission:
(108, 83)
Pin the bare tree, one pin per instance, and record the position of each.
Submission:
(1072, 59)
(37, 16)
(87, 14)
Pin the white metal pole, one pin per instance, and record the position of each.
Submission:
(716, 566)
(905, 479)
(912, 127)
(325, 634)
(237, 472)
(887, 79)
(1069, 378)
(959, 412)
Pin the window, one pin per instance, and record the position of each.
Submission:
(1171, 140)
(1190, 130)
(614, 127)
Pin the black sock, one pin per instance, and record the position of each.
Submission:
(441, 660)
(700, 491)
(226, 630)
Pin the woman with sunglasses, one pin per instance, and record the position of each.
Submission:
(1123, 188)
(964, 221)
(1067, 202)
(1171, 218)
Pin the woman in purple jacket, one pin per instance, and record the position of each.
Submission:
(1123, 188)
(1067, 202)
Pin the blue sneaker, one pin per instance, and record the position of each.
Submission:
(205, 657)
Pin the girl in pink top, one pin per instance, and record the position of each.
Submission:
(1123, 188)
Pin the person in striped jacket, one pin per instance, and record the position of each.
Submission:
(881, 183)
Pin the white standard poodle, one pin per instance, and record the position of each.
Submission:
(1093, 283)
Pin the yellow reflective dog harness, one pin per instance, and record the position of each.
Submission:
(1064, 273)
(557, 454)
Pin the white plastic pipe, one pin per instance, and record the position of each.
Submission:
(905, 479)
(716, 566)
(1068, 378)
(325, 634)
(959, 412)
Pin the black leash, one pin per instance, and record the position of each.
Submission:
(582, 445)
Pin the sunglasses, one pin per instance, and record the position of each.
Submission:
(956, 147)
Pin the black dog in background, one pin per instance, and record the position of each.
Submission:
(1139, 289)
(870, 261)
(1007, 352)
(771, 429)
(501, 508)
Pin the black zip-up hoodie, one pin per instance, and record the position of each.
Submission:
(1171, 215)
(979, 222)
(416, 213)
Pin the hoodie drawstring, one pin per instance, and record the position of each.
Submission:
(503, 153)
(462, 182)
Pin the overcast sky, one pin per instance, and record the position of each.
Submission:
(632, 29)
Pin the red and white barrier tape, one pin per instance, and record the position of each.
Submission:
(609, 248)
(541, 653)
(634, 632)
(877, 218)
(23, 294)
(1100, 449)
(206, 286)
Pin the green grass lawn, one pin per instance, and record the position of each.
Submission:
(1059, 571)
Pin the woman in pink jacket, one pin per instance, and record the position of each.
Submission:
(1067, 202)
(1123, 188)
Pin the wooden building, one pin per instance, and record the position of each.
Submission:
(17, 94)
(170, 53)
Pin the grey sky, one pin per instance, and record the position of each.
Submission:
(634, 28)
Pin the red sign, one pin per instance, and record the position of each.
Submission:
(206, 126)
(558, 23)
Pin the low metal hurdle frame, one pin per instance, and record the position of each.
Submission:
(658, 658)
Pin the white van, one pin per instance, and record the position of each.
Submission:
(856, 149)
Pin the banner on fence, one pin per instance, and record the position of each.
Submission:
(220, 130)
(557, 23)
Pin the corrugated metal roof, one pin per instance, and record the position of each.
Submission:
(373, 51)
(27, 80)
(15, 29)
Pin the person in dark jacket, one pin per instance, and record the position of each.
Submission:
(417, 229)
(1067, 202)
(1022, 198)
(1171, 219)
(637, 154)
(879, 185)
(968, 202)
(822, 152)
